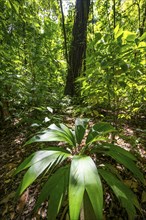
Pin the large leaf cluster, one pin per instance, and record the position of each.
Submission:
(73, 170)
(115, 74)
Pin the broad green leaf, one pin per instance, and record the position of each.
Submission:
(57, 193)
(54, 133)
(124, 194)
(107, 147)
(116, 29)
(15, 6)
(54, 190)
(143, 37)
(103, 127)
(142, 45)
(7, 3)
(63, 132)
(25, 164)
(47, 136)
(69, 134)
(38, 167)
(127, 162)
(37, 156)
(76, 189)
(80, 128)
(99, 130)
(113, 170)
(129, 36)
(93, 187)
(84, 176)
(87, 208)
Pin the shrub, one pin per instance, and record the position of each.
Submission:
(74, 170)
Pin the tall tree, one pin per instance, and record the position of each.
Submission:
(78, 45)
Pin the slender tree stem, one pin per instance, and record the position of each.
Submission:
(114, 12)
(64, 31)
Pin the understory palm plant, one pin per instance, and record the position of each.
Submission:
(74, 170)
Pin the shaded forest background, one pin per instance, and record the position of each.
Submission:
(35, 41)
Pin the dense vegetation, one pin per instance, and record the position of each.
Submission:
(34, 44)
(62, 60)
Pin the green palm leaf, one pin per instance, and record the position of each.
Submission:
(84, 176)
(124, 158)
(54, 133)
(37, 156)
(54, 190)
(36, 168)
(98, 131)
(107, 147)
(88, 211)
(69, 135)
(80, 128)
(123, 193)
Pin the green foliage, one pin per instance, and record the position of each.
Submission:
(115, 78)
(127, 198)
(33, 66)
(31, 72)
(75, 168)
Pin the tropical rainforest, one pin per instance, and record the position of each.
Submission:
(73, 109)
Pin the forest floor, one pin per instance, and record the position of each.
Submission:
(12, 153)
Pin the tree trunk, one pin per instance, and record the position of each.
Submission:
(142, 28)
(78, 45)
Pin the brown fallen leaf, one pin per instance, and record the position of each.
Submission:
(12, 215)
(132, 184)
(7, 198)
(5, 211)
(10, 166)
(22, 202)
(10, 173)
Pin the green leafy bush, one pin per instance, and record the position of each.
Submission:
(73, 170)
(115, 76)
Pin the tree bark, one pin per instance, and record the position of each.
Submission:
(78, 46)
